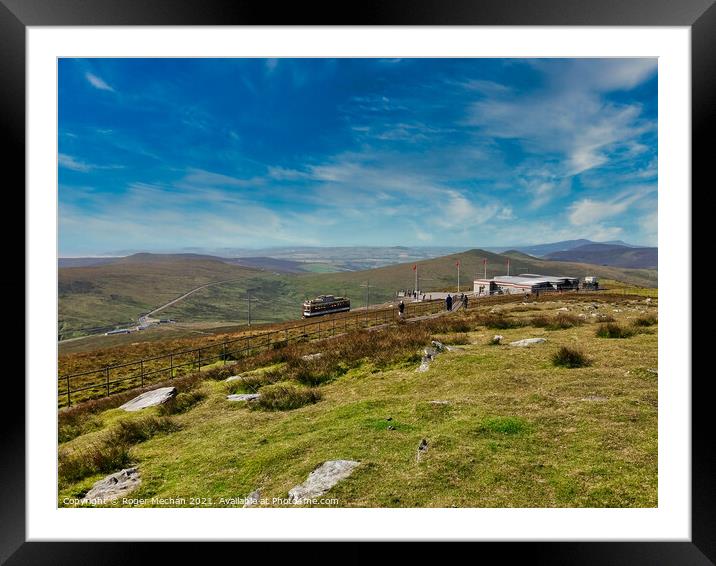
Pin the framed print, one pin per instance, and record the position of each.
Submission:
(420, 274)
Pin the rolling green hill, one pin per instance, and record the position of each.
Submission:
(117, 293)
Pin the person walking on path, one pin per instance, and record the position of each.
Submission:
(448, 302)
(401, 309)
(464, 301)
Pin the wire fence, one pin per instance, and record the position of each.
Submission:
(110, 379)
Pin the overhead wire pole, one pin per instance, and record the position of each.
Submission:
(367, 288)
(248, 301)
(458, 275)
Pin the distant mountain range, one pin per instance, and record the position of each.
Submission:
(316, 259)
(542, 250)
(611, 255)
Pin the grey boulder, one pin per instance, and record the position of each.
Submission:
(527, 342)
(320, 480)
(113, 487)
(150, 398)
(244, 397)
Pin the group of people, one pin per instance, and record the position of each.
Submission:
(448, 303)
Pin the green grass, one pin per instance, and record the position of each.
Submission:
(503, 425)
(613, 330)
(515, 431)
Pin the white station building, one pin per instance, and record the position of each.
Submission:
(524, 283)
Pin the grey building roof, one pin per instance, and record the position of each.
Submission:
(527, 279)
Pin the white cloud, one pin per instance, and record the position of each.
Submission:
(98, 83)
(69, 162)
(589, 211)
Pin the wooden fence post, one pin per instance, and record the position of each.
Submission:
(141, 371)
(106, 378)
(69, 396)
(171, 366)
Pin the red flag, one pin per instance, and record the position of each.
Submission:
(415, 267)
(484, 261)
(457, 263)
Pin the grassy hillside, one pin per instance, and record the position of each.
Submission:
(116, 293)
(505, 427)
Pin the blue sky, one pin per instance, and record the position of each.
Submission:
(163, 154)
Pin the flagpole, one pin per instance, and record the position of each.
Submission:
(458, 276)
(416, 280)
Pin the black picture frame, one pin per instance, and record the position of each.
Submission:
(699, 15)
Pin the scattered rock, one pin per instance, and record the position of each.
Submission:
(234, 378)
(309, 357)
(439, 402)
(647, 300)
(243, 397)
(422, 448)
(150, 398)
(428, 356)
(113, 486)
(497, 339)
(564, 309)
(652, 370)
(252, 498)
(527, 342)
(389, 419)
(439, 346)
(582, 315)
(594, 398)
(320, 480)
(391, 427)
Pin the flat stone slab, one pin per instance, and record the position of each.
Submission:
(527, 342)
(309, 357)
(150, 398)
(244, 397)
(439, 402)
(594, 398)
(320, 480)
(113, 487)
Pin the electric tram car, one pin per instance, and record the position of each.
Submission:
(325, 304)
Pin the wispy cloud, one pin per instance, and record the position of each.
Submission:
(356, 151)
(591, 211)
(97, 82)
(70, 162)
